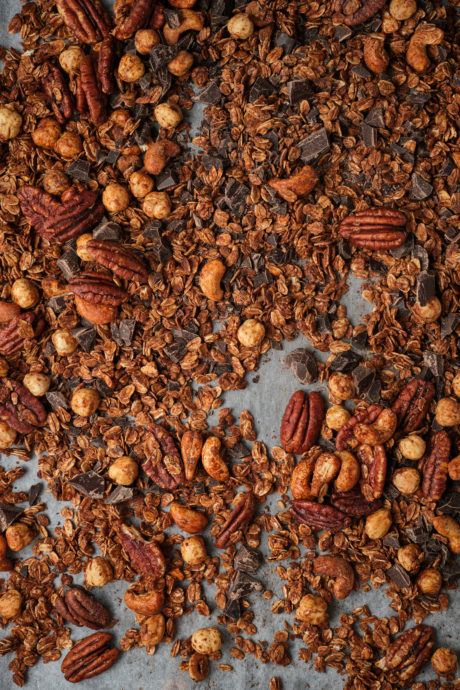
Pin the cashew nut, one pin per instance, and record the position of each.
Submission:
(417, 57)
(297, 185)
(210, 278)
(338, 568)
(380, 431)
(320, 470)
(350, 472)
(375, 55)
(448, 527)
(191, 20)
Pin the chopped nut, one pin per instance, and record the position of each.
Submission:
(18, 536)
(312, 609)
(10, 604)
(378, 524)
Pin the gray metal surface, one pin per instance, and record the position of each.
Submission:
(135, 670)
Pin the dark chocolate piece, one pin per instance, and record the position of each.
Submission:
(446, 168)
(244, 584)
(425, 287)
(392, 540)
(160, 56)
(399, 576)
(449, 324)
(112, 157)
(420, 189)
(341, 33)
(345, 361)
(323, 324)
(363, 378)
(421, 254)
(372, 395)
(359, 341)
(261, 87)
(239, 450)
(302, 364)
(120, 494)
(79, 170)
(375, 118)
(165, 180)
(86, 337)
(361, 71)
(232, 609)
(69, 263)
(34, 492)
(368, 135)
(247, 559)
(209, 95)
(89, 484)
(8, 514)
(107, 230)
(56, 400)
(434, 362)
(314, 145)
(58, 303)
(299, 90)
(404, 249)
(419, 97)
(450, 504)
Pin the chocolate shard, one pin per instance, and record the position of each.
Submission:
(86, 336)
(392, 540)
(341, 33)
(34, 493)
(232, 609)
(235, 197)
(420, 189)
(450, 504)
(160, 56)
(425, 287)
(361, 71)
(79, 170)
(449, 324)
(404, 249)
(359, 341)
(421, 254)
(446, 168)
(69, 263)
(314, 145)
(239, 450)
(8, 514)
(107, 230)
(165, 180)
(261, 87)
(323, 324)
(286, 42)
(372, 395)
(302, 365)
(209, 95)
(368, 135)
(244, 584)
(375, 118)
(56, 400)
(119, 495)
(451, 572)
(247, 559)
(89, 484)
(299, 90)
(434, 362)
(58, 303)
(345, 361)
(399, 576)
(363, 378)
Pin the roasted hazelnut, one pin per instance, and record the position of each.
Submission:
(206, 640)
(448, 412)
(145, 40)
(123, 470)
(444, 661)
(131, 68)
(115, 198)
(456, 385)
(47, 133)
(341, 386)
(120, 117)
(140, 184)
(168, 115)
(24, 293)
(402, 9)
(378, 523)
(429, 581)
(312, 609)
(7, 435)
(181, 64)
(240, 26)
(430, 312)
(5, 563)
(406, 480)
(153, 630)
(55, 182)
(10, 604)
(453, 468)
(10, 123)
(412, 447)
(3, 367)
(82, 241)
(85, 401)
(8, 310)
(64, 342)
(251, 333)
(157, 205)
(410, 557)
(38, 384)
(193, 550)
(70, 59)
(18, 536)
(69, 146)
(336, 417)
(98, 572)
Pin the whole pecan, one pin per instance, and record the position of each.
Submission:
(373, 461)
(106, 65)
(58, 93)
(354, 504)
(97, 288)
(121, 261)
(18, 330)
(80, 608)
(301, 422)
(319, 516)
(164, 464)
(358, 12)
(137, 18)
(375, 228)
(434, 466)
(146, 556)
(407, 655)
(239, 518)
(89, 86)
(19, 408)
(89, 657)
(88, 19)
(60, 221)
(338, 569)
(413, 403)
(346, 434)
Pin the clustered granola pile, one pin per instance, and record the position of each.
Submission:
(142, 278)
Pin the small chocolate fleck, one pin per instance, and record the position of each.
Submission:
(119, 495)
(56, 400)
(34, 493)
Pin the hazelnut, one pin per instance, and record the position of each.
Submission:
(430, 312)
(341, 386)
(81, 246)
(412, 447)
(24, 293)
(168, 115)
(140, 184)
(5, 563)
(153, 630)
(240, 26)
(69, 146)
(378, 523)
(453, 468)
(448, 412)
(402, 9)
(410, 557)
(7, 435)
(18, 536)
(181, 64)
(157, 205)
(47, 133)
(70, 59)
(406, 480)
(123, 470)
(3, 367)
(456, 384)
(98, 572)
(115, 198)
(8, 310)
(10, 604)
(336, 417)
(10, 123)
(312, 609)
(64, 342)
(120, 117)
(251, 333)
(145, 40)
(193, 550)
(38, 384)
(206, 640)
(444, 662)
(130, 68)
(429, 581)
(55, 182)
(85, 401)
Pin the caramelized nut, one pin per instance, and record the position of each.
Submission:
(98, 572)
(193, 550)
(448, 412)
(64, 342)
(445, 662)
(85, 401)
(312, 609)
(18, 536)
(406, 480)
(341, 387)
(123, 471)
(115, 198)
(10, 604)
(206, 640)
(412, 447)
(240, 26)
(189, 520)
(251, 333)
(7, 435)
(336, 417)
(212, 460)
(410, 557)
(145, 603)
(153, 630)
(429, 581)
(378, 523)
(198, 666)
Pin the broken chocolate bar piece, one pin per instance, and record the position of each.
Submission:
(86, 336)
(69, 263)
(247, 559)
(314, 145)
(434, 362)
(421, 189)
(368, 135)
(375, 118)
(261, 87)
(89, 484)
(449, 324)
(8, 514)
(302, 365)
(299, 90)
(425, 287)
(56, 400)
(363, 378)
(119, 495)
(399, 576)
(345, 361)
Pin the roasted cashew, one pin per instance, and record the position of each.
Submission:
(338, 568)
(417, 57)
(191, 20)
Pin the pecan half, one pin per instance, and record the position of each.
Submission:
(413, 403)
(373, 461)
(375, 228)
(164, 465)
(319, 516)
(301, 422)
(21, 328)
(89, 657)
(347, 433)
(146, 556)
(354, 504)
(58, 94)
(137, 18)
(434, 466)
(88, 19)
(80, 608)
(239, 518)
(60, 221)
(19, 408)
(121, 261)
(89, 86)
(358, 12)
(338, 569)
(97, 288)
(407, 655)
(106, 65)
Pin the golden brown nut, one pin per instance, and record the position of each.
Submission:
(24, 293)
(312, 609)
(153, 630)
(456, 384)
(445, 662)
(18, 536)
(115, 198)
(189, 520)
(454, 468)
(168, 115)
(38, 384)
(85, 401)
(425, 35)
(190, 447)
(5, 563)
(55, 182)
(212, 460)
(251, 333)
(96, 313)
(350, 472)
(240, 26)
(124, 470)
(157, 205)
(82, 241)
(198, 666)
(430, 312)
(140, 184)
(410, 557)
(131, 68)
(181, 64)
(7, 435)
(64, 342)
(70, 59)
(429, 581)
(47, 133)
(10, 123)
(375, 55)
(98, 572)
(10, 604)
(450, 528)
(193, 550)
(378, 523)
(448, 412)
(341, 386)
(145, 40)
(8, 310)
(3, 367)
(406, 480)
(69, 145)
(210, 277)
(206, 640)
(336, 417)
(144, 603)
(412, 447)
(402, 9)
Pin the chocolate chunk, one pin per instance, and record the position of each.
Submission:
(285, 41)
(299, 90)
(69, 263)
(368, 135)
(143, 133)
(34, 492)
(451, 572)
(119, 495)
(425, 287)
(404, 249)
(420, 189)
(418, 535)
(446, 168)
(86, 337)
(24, 571)
(79, 170)
(209, 95)
(261, 87)
(392, 540)
(313, 114)
(372, 394)
(244, 584)
(112, 157)
(323, 324)
(419, 97)
(107, 230)
(89, 484)
(56, 400)
(139, 111)
(449, 324)
(175, 352)
(341, 33)
(235, 197)
(421, 254)
(345, 361)
(363, 378)
(450, 504)
(434, 362)
(232, 609)
(173, 17)
(211, 162)
(58, 304)
(302, 365)
(399, 576)
(247, 559)
(314, 145)
(375, 118)
(165, 180)
(8, 514)
(160, 56)
(403, 152)
(361, 71)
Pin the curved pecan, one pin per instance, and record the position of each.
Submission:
(347, 432)
(434, 466)
(137, 18)
(88, 19)
(407, 655)
(89, 85)
(339, 569)
(97, 289)
(164, 466)
(301, 423)
(89, 657)
(319, 516)
(146, 556)
(354, 504)
(121, 261)
(239, 518)
(357, 13)
(373, 461)
(413, 403)
(106, 65)
(80, 608)
(19, 408)
(58, 94)
(19, 329)
(375, 228)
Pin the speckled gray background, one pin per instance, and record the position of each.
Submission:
(135, 670)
